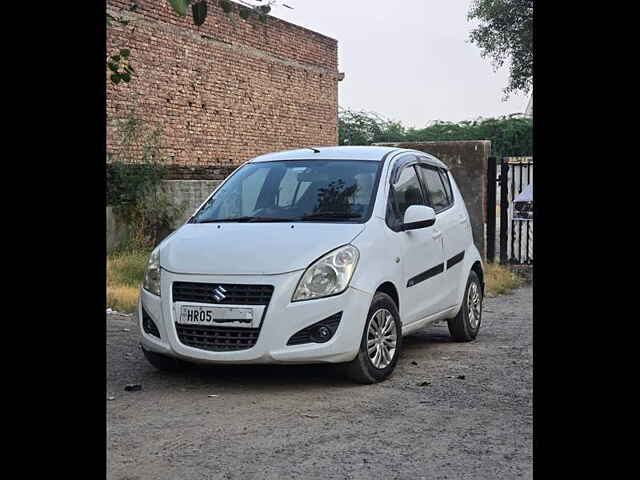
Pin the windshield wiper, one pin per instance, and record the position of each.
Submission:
(330, 215)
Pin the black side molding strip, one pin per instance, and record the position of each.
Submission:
(455, 259)
(432, 272)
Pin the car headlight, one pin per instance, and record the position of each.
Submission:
(330, 275)
(152, 273)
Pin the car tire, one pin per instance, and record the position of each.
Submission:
(362, 369)
(464, 326)
(163, 362)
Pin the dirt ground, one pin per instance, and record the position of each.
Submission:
(304, 422)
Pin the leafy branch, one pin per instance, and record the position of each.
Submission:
(120, 66)
(505, 34)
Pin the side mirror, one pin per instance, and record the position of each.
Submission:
(418, 216)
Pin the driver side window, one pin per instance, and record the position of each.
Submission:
(403, 194)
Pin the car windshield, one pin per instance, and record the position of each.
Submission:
(295, 190)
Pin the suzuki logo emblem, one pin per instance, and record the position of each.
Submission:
(219, 294)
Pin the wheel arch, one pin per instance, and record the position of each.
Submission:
(477, 268)
(390, 289)
(472, 262)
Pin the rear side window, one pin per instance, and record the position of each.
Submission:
(447, 184)
(436, 191)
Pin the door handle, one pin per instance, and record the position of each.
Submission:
(463, 219)
(436, 233)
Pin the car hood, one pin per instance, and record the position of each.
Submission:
(251, 248)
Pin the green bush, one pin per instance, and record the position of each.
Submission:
(150, 219)
(127, 183)
(127, 268)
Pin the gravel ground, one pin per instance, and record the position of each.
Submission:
(308, 422)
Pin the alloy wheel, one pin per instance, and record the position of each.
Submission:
(382, 337)
(474, 305)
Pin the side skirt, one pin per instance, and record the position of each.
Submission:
(423, 322)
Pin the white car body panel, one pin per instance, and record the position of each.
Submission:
(279, 253)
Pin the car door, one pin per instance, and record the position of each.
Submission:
(452, 221)
(420, 251)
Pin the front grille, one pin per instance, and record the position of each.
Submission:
(234, 294)
(217, 339)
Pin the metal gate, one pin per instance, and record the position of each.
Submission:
(513, 219)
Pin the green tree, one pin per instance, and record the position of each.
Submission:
(505, 33)
(365, 128)
(509, 135)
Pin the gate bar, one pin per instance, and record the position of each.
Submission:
(513, 223)
(491, 209)
(520, 223)
(528, 221)
(504, 207)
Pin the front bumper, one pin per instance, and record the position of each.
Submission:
(280, 321)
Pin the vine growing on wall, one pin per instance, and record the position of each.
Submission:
(135, 171)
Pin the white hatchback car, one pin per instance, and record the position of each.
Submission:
(319, 255)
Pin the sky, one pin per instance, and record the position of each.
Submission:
(408, 60)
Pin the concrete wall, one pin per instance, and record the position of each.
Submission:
(468, 162)
(188, 194)
(116, 230)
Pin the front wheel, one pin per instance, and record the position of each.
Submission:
(381, 342)
(465, 325)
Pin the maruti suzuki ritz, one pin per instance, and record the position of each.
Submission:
(317, 255)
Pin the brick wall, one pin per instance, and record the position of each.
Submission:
(226, 91)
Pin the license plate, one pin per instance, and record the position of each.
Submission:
(201, 315)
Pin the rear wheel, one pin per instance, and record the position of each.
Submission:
(465, 325)
(163, 362)
(380, 344)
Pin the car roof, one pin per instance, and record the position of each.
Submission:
(372, 153)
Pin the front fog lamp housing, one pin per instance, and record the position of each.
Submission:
(330, 275)
(152, 273)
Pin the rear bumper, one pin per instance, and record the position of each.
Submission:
(280, 321)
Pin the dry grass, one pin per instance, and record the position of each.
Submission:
(125, 273)
(122, 299)
(499, 279)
